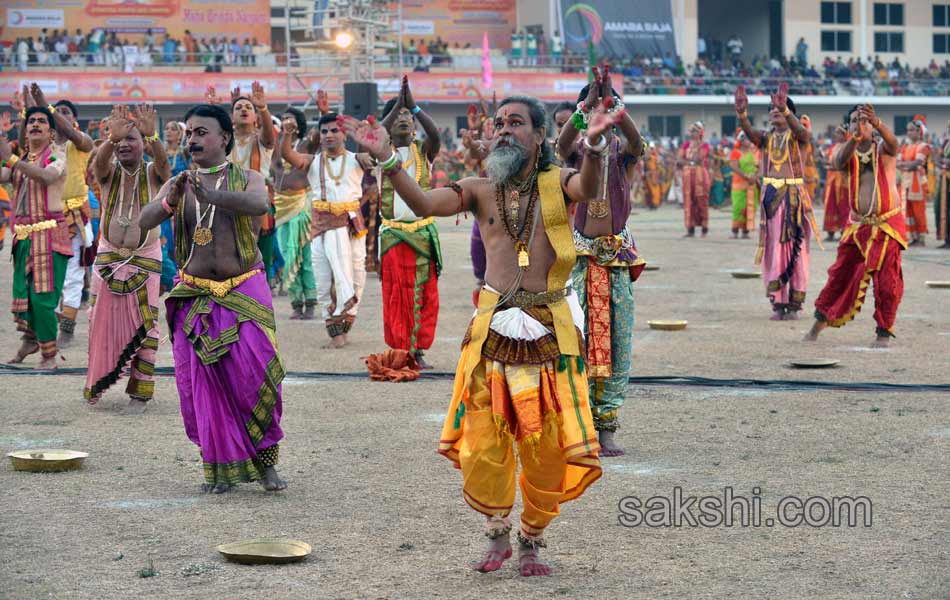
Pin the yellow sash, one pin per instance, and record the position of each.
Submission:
(288, 205)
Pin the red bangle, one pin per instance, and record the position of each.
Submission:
(167, 208)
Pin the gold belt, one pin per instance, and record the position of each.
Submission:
(410, 227)
(219, 289)
(879, 219)
(74, 203)
(23, 231)
(526, 299)
(336, 208)
(779, 183)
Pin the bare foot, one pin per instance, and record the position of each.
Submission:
(271, 482)
(423, 365)
(47, 364)
(218, 488)
(816, 328)
(499, 550)
(881, 341)
(27, 348)
(335, 343)
(608, 447)
(531, 565)
(136, 406)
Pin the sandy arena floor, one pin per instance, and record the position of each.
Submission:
(384, 512)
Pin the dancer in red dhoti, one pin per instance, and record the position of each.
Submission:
(837, 199)
(870, 248)
(912, 164)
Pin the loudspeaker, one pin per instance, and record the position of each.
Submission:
(360, 99)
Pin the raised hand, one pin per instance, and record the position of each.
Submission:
(145, 119)
(289, 127)
(780, 98)
(211, 96)
(593, 91)
(323, 102)
(177, 191)
(408, 101)
(370, 136)
(39, 99)
(201, 192)
(6, 122)
(471, 113)
(27, 97)
(258, 98)
(120, 123)
(867, 112)
(606, 89)
(601, 121)
(235, 94)
(17, 102)
(741, 100)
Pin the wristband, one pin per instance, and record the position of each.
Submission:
(415, 110)
(11, 161)
(389, 162)
(112, 142)
(152, 138)
(391, 171)
(787, 111)
(599, 148)
(167, 207)
(742, 114)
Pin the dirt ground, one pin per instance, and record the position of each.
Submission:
(384, 512)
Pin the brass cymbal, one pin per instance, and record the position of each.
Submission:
(43, 460)
(265, 551)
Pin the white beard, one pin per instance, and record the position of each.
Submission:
(506, 162)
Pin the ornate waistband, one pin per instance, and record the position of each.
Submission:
(876, 219)
(336, 208)
(24, 231)
(778, 182)
(526, 299)
(218, 288)
(410, 227)
(75, 203)
(609, 250)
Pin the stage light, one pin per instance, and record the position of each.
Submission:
(344, 40)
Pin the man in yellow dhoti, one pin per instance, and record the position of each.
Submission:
(521, 377)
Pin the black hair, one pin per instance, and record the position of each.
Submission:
(70, 106)
(40, 109)
(388, 107)
(854, 109)
(330, 117)
(539, 119)
(235, 101)
(560, 107)
(586, 90)
(217, 113)
(300, 119)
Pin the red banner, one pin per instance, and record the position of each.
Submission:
(189, 88)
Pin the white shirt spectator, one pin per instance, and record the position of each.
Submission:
(735, 46)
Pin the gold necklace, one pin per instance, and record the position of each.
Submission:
(415, 159)
(338, 178)
(777, 162)
(125, 221)
(865, 157)
(204, 235)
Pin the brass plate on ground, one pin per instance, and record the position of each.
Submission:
(47, 460)
(651, 267)
(938, 284)
(265, 551)
(667, 325)
(813, 363)
(739, 274)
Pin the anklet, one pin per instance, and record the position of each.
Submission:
(531, 542)
(493, 531)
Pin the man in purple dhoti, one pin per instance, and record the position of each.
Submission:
(220, 313)
(787, 221)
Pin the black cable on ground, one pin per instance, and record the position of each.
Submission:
(656, 380)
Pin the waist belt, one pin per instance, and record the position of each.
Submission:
(410, 227)
(218, 288)
(877, 219)
(778, 182)
(336, 208)
(74, 203)
(23, 231)
(526, 299)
